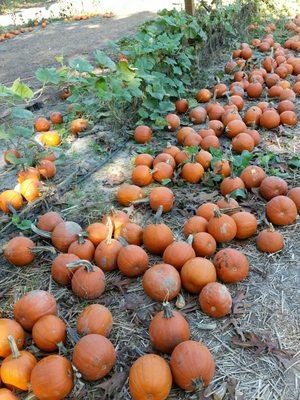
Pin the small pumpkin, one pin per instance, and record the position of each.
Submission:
(242, 142)
(48, 332)
(50, 139)
(52, 378)
(48, 221)
(177, 253)
(272, 186)
(95, 318)
(10, 327)
(164, 157)
(204, 244)
(79, 125)
(231, 265)
(181, 105)
(210, 141)
(196, 273)
(142, 134)
(32, 306)
(252, 176)
(269, 119)
(215, 300)
(192, 365)
(198, 115)
(172, 150)
(59, 270)
(158, 236)
(173, 122)
(132, 233)
(222, 227)
(281, 210)
(10, 155)
(10, 198)
(56, 118)
(162, 171)
(82, 248)
(150, 378)
(88, 281)
(141, 176)
(94, 356)
(167, 329)
(230, 184)
(118, 219)
(206, 210)
(192, 172)
(64, 234)
(107, 251)
(204, 158)
(144, 159)
(203, 96)
(19, 251)
(46, 169)
(97, 232)
(194, 225)
(269, 240)
(161, 196)
(227, 203)
(161, 282)
(132, 260)
(30, 189)
(294, 194)
(16, 368)
(246, 224)
(126, 194)
(222, 167)
(183, 132)
(288, 118)
(41, 124)
(235, 127)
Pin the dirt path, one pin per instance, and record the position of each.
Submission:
(20, 57)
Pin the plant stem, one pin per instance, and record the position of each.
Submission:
(167, 310)
(84, 263)
(13, 347)
(158, 214)
(40, 232)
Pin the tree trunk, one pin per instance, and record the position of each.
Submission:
(190, 6)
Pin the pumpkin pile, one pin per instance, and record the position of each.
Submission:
(201, 263)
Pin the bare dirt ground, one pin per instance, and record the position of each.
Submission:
(21, 56)
(249, 367)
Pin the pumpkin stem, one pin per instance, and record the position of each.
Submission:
(231, 210)
(123, 242)
(197, 384)
(12, 209)
(110, 230)
(168, 313)
(190, 239)
(141, 201)
(13, 347)
(40, 232)
(158, 214)
(84, 263)
(38, 249)
(217, 213)
(80, 238)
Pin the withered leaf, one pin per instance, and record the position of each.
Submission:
(113, 384)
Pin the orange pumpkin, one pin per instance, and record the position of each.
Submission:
(161, 282)
(196, 273)
(10, 198)
(167, 329)
(206, 210)
(52, 378)
(222, 227)
(48, 332)
(132, 233)
(157, 237)
(191, 362)
(194, 225)
(16, 368)
(88, 281)
(10, 327)
(64, 234)
(144, 159)
(82, 248)
(48, 221)
(95, 318)
(150, 378)
(161, 196)
(126, 194)
(132, 260)
(281, 210)
(94, 356)
(294, 194)
(59, 270)
(215, 300)
(177, 253)
(272, 186)
(231, 265)
(204, 244)
(269, 240)
(97, 232)
(230, 184)
(246, 224)
(19, 251)
(252, 176)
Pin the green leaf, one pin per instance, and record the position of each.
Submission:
(23, 225)
(48, 75)
(104, 61)
(21, 131)
(165, 181)
(242, 193)
(59, 59)
(5, 91)
(21, 113)
(294, 162)
(22, 90)
(127, 73)
(81, 65)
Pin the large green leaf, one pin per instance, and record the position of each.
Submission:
(104, 61)
(81, 65)
(21, 113)
(22, 90)
(127, 73)
(48, 75)
(22, 131)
